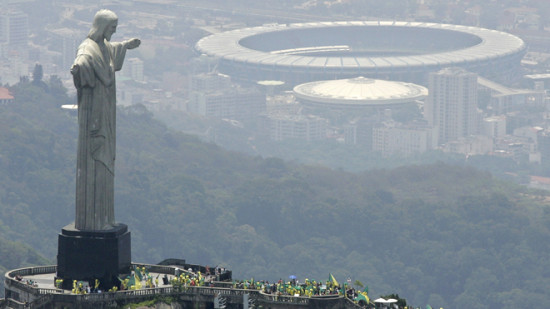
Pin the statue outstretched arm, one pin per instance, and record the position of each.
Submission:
(132, 43)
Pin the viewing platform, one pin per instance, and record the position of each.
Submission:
(34, 287)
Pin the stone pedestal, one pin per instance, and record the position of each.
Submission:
(90, 255)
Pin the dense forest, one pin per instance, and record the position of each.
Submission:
(14, 255)
(438, 234)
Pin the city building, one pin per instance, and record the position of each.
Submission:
(528, 132)
(539, 182)
(233, 103)
(213, 95)
(65, 41)
(395, 138)
(13, 69)
(470, 145)
(359, 132)
(521, 149)
(452, 104)
(520, 119)
(543, 142)
(5, 96)
(299, 127)
(133, 69)
(14, 33)
(284, 103)
(494, 126)
(209, 82)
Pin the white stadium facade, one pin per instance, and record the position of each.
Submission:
(358, 93)
(407, 51)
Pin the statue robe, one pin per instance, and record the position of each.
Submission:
(96, 90)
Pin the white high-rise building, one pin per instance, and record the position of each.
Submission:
(213, 95)
(209, 82)
(298, 127)
(494, 126)
(452, 103)
(394, 138)
(135, 69)
(14, 29)
(66, 42)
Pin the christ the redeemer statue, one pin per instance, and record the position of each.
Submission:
(93, 73)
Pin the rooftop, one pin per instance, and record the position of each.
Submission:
(402, 43)
(5, 94)
(360, 92)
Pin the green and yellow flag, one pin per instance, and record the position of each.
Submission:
(137, 272)
(332, 280)
(362, 296)
(138, 281)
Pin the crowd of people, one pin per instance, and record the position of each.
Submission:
(138, 278)
(189, 279)
(27, 282)
(141, 278)
(309, 288)
(290, 288)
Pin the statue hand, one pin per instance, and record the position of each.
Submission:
(74, 69)
(132, 43)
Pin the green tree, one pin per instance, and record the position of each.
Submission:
(37, 74)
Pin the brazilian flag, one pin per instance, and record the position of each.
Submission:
(332, 280)
(138, 280)
(137, 273)
(362, 296)
(132, 281)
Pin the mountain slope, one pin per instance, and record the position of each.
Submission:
(16, 255)
(445, 235)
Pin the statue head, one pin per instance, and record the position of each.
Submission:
(104, 25)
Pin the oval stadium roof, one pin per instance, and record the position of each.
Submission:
(346, 49)
(360, 92)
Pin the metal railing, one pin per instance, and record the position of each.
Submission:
(271, 298)
(29, 288)
(106, 296)
(219, 289)
(29, 271)
(11, 303)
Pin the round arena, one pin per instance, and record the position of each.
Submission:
(407, 51)
(358, 93)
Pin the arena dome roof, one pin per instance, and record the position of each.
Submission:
(359, 92)
(297, 53)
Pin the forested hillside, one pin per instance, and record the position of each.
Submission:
(443, 235)
(15, 255)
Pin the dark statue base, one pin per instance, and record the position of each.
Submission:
(90, 255)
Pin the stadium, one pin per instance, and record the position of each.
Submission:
(358, 93)
(406, 51)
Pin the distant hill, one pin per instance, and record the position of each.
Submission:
(435, 234)
(16, 255)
